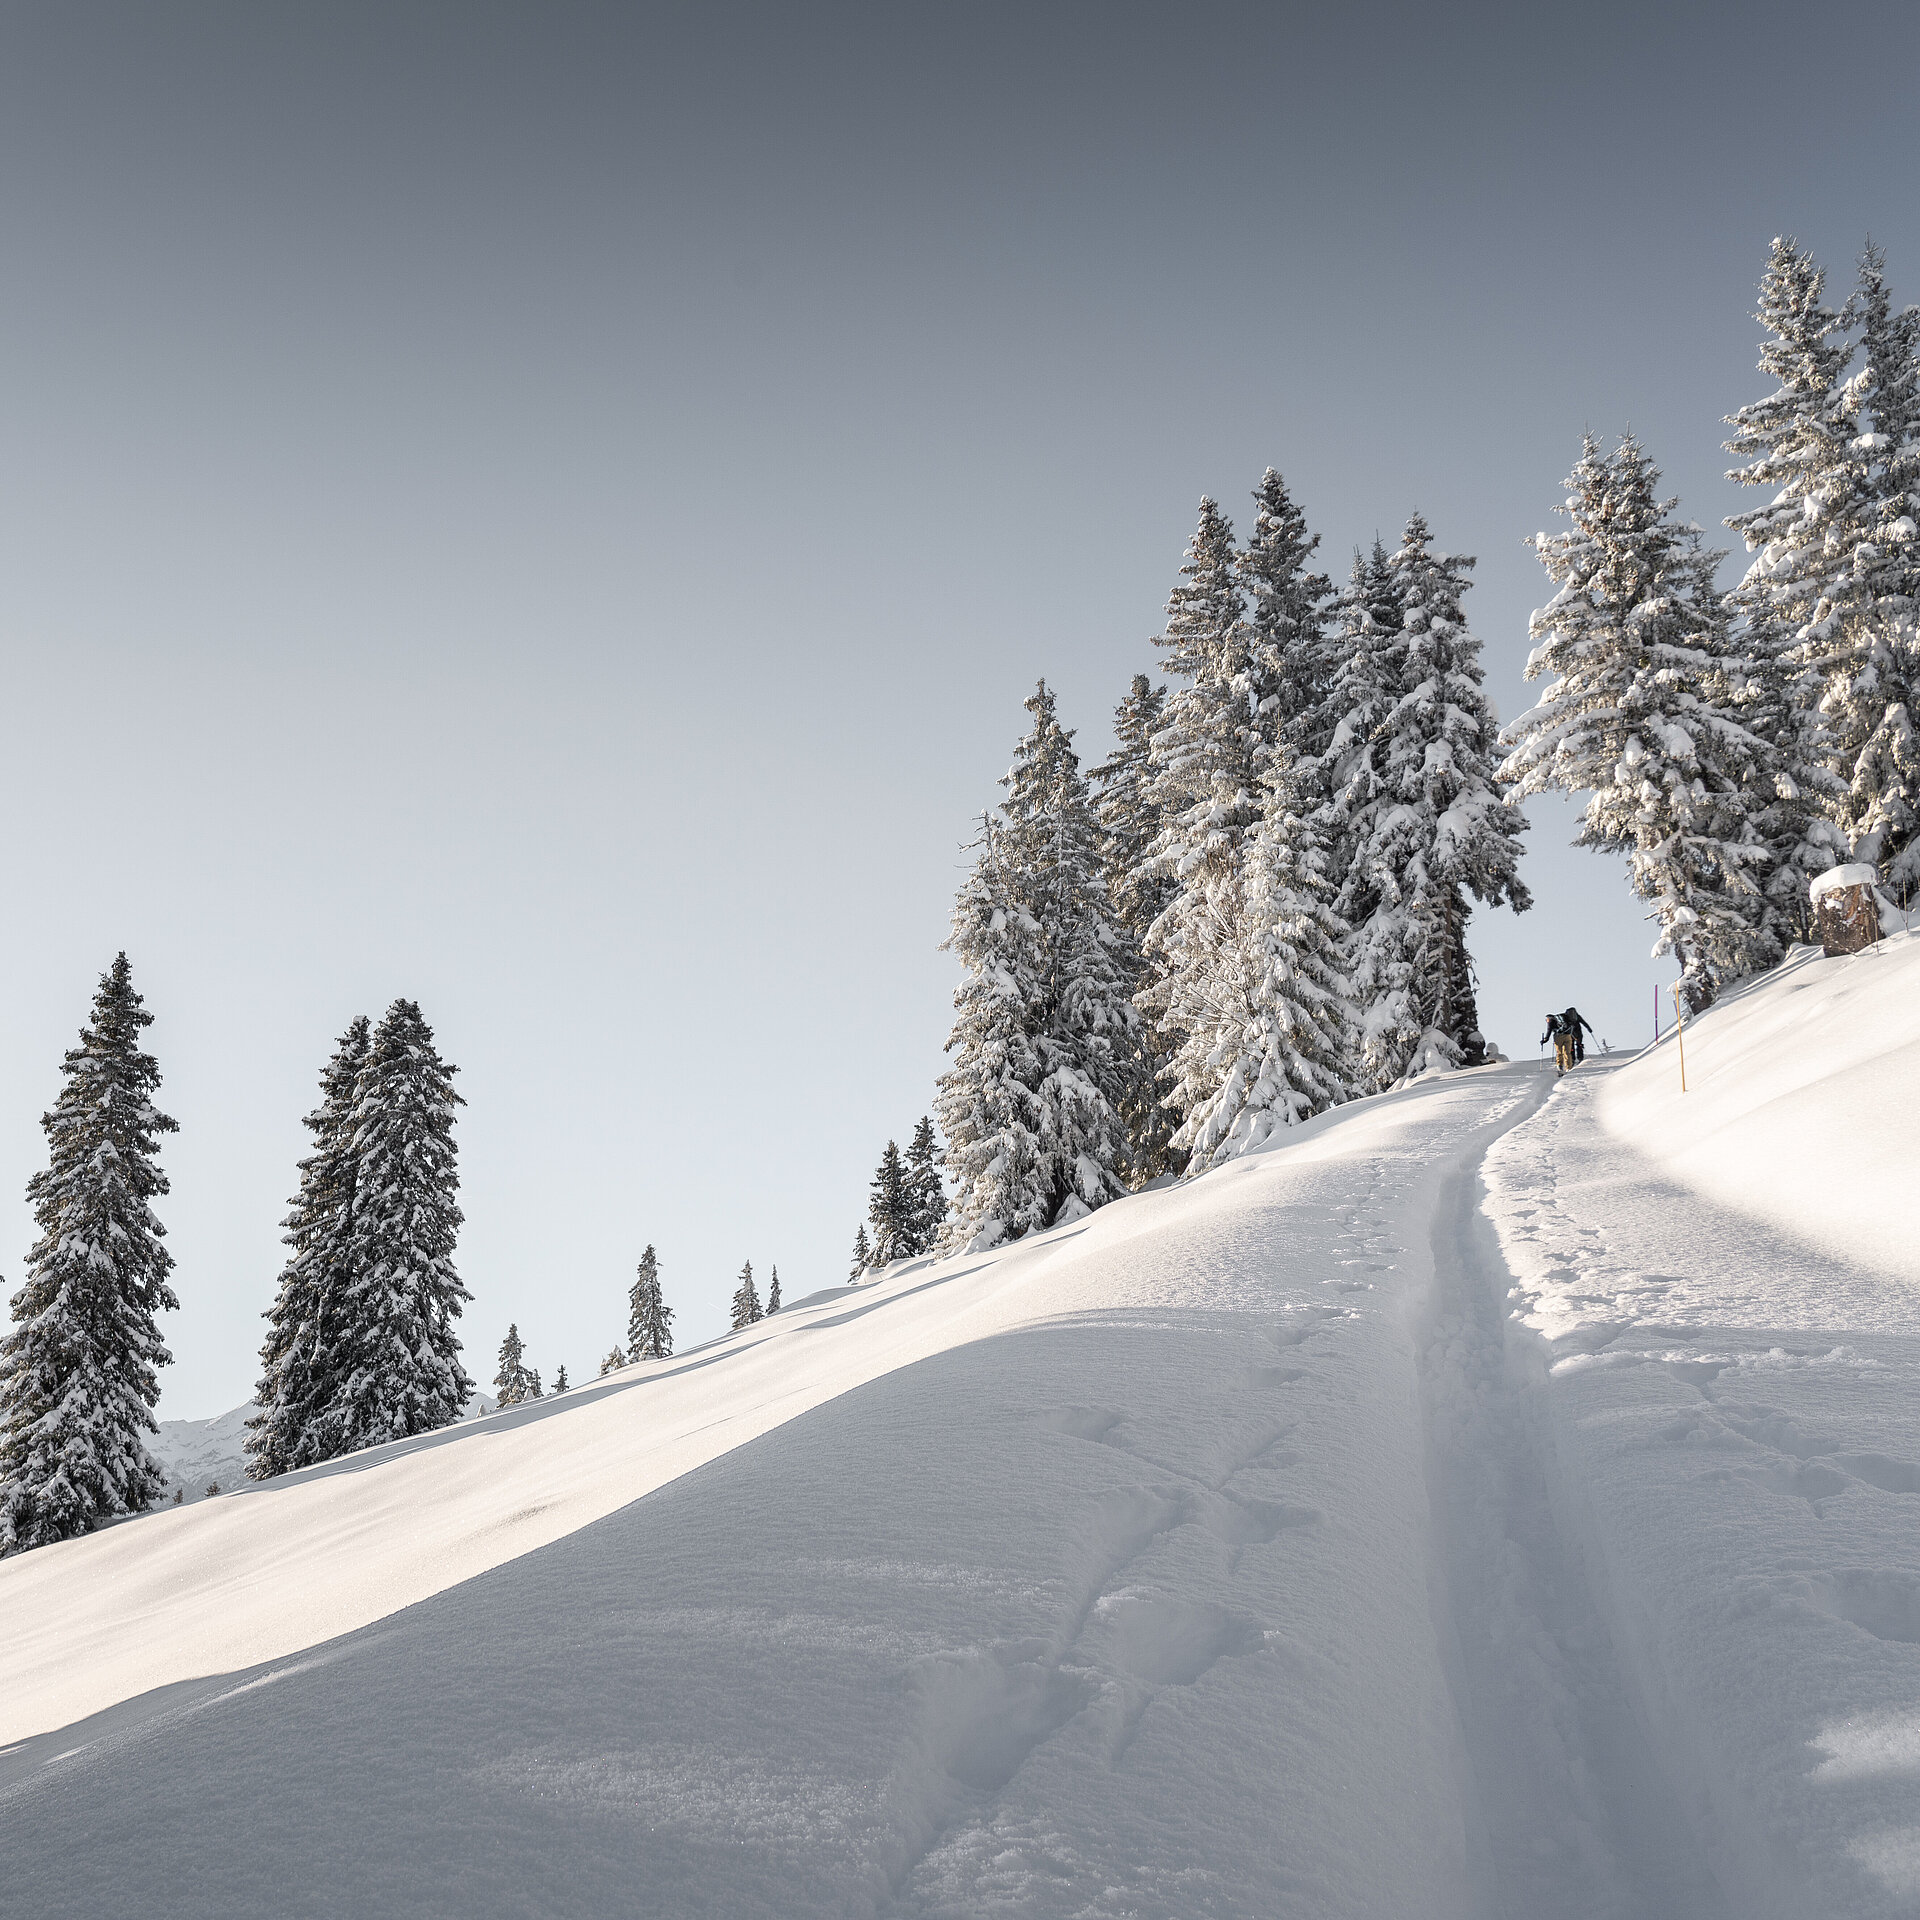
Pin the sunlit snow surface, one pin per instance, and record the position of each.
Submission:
(1227, 1553)
(1728, 1284)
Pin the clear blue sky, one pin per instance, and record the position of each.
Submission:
(553, 510)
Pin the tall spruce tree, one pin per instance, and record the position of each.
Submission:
(1796, 444)
(1202, 792)
(307, 1357)
(649, 1318)
(1873, 673)
(515, 1381)
(79, 1372)
(1353, 726)
(1435, 832)
(1289, 661)
(891, 1210)
(405, 1294)
(925, 1190)
(1284, 1026)
(1640, 715)
(989, 1109)
(746, 1300)
(1129, 824)
(773, 1294)
(1045, 1029)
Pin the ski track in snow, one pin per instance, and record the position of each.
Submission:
(1729, 1417)
(1447, 1512)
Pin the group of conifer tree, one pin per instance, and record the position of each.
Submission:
(361, 1345)
(649, 1318)
(907, 1204)
(1736, 745)
(1256, 907)
(747, 1307)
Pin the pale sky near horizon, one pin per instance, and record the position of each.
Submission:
(553, 511)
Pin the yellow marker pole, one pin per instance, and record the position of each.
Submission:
(1680, 1035)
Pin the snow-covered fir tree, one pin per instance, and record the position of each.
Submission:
(1282, 1024)
(1201, 791)
(79, 1371)
(891, 1210)
(1129, 821)
(1353, 728)
(1640, 716)
(560, 1382)
(746, 1300)
(862, 1253)
(309, 1355)
(1873, 672)
(773, 1293)
(612, 1363)
(649, 1318)
(1435, 831)
(515, 1380)
(1290, 663)
(1246, 633)
(1137, 894)
(989, 1109)
(924, 1186)
(1045, 1028)
(1797, 445)
(405, 1294)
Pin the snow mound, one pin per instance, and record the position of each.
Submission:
(1802, 1106)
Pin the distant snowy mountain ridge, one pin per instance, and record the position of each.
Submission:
(198, 1454)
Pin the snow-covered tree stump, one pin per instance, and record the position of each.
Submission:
(1846, 909)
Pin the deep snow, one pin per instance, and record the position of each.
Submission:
(1231, 1552)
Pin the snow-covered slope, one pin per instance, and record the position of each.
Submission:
(1230, 1552)
(1726, 1287)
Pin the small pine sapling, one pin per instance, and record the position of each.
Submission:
(773, 1294)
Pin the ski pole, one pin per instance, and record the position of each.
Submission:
(1680, 1035)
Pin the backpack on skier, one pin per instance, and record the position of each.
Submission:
(1564, 1039)
(1577, 1028)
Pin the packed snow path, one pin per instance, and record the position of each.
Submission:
(1233, 1552)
